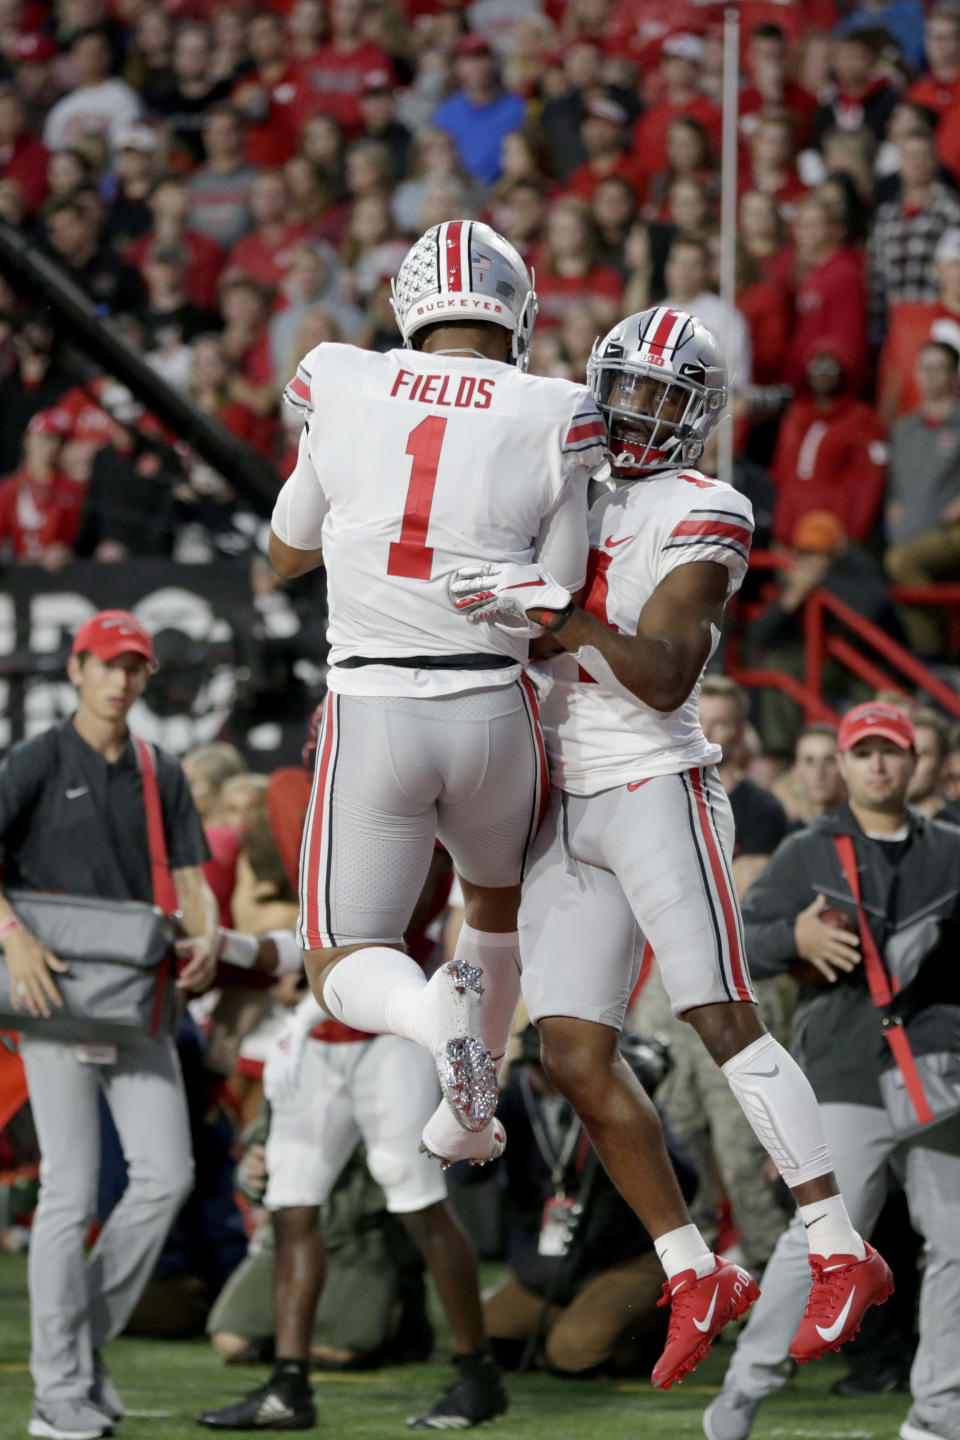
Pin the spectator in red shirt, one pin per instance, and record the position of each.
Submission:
(939, 89)
(604, 135)
(245, 343)
(765, 304)
(333, 80)
(169, 205)
(305, 29)
(771, 168)
(23, 159)
(770, 90)
(682, 56)
(912, 324)
(568, 267)
(689, 157)
(265, 253)
(39, 509)
(830, 453)
(267, 98)
(832, 298)
(764, 234)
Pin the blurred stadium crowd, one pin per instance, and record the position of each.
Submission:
(232, 185)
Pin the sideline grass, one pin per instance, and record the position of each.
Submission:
(165, 1383)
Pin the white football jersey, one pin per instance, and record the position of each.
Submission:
(599, 737)
(412, 465)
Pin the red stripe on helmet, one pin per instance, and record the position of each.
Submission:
(454, 268)
(662, 333)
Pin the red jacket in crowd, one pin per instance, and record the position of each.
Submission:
(832, 300)
(26, 166)
(830, 457)
(37, 514)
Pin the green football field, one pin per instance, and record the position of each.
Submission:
(165, 1383)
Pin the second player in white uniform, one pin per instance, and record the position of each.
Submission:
(640, 832)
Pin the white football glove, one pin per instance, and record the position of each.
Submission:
(281, 1071)
(505, 591)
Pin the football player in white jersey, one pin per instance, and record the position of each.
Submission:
(640, 832)
(411, 463)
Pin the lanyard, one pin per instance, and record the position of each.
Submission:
(555, 1160)
(882, 990)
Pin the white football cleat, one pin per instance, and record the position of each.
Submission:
(446, 1140)
(468, 1076)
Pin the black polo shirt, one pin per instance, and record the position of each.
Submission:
(760, 820)
(74, 822)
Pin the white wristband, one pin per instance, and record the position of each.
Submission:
(239, 949)
(289, 954)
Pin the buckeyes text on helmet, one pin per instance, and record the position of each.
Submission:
(463, 272)
(661, 384)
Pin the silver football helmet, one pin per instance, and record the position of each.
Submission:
(661, 384)
(463, 270)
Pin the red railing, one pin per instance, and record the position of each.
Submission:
(821, 615)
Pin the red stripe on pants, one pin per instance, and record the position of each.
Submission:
(313, 879)
(728, 902)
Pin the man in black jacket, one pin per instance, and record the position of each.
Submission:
(801, 915)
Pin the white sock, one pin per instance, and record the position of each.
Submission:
(829, 1229)
(498, 956)
(684, 1249)
(778, 1100)
(378, 990)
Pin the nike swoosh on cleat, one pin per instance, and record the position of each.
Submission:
(834, 1331)
(273, 1408)
(704, 1324)
(612, 544)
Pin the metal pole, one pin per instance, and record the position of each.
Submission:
(728, 213)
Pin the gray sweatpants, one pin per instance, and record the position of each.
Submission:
(861, 1143)
(78, 1303)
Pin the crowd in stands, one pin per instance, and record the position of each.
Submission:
(232, 185)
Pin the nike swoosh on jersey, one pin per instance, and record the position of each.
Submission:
(612, 544)
(704, 1324)
(833, 1332)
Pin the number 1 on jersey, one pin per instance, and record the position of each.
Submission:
(410, 556)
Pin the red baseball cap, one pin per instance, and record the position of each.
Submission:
(32, 50)
(110, 633)
(874, 718)
(474, 45)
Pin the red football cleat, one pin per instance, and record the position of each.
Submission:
(699, 1309)
(842, 1291)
